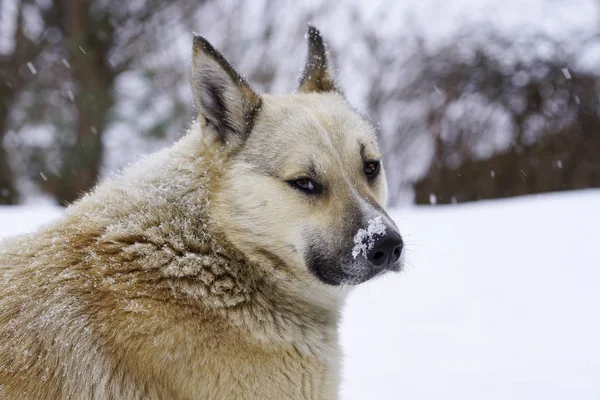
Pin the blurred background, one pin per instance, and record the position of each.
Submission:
(475, 99)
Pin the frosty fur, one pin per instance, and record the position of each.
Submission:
(185, 277)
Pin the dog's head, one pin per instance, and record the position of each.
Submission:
(302, 182)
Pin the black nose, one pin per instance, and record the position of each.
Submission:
(386, 250)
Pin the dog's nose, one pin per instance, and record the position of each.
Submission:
(386, 250)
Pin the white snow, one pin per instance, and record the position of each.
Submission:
(364, 239)
(499, 301)
(16, 220)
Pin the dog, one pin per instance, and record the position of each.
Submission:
(214, 269)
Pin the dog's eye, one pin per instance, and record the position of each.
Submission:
(371, 168)
(306, 185)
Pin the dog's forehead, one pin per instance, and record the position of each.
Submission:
(308, 122)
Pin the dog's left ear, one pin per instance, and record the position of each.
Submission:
(317, 76)
(224, 99)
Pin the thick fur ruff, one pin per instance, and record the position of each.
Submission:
(134, 295)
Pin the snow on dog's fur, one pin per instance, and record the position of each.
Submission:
(214, 269)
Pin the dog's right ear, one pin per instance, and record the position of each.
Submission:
(224, 99)
(317, 75)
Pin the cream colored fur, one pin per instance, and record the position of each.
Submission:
(183, 278)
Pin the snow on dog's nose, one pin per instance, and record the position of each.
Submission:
(381, 248)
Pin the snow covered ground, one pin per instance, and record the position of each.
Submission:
(500, 301)
(15, 220)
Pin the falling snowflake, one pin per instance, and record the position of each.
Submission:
(32, 68)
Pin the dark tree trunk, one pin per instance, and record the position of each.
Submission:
(8, 189)
(93, 99)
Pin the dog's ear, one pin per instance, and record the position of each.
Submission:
(317, 76)
(224, 99)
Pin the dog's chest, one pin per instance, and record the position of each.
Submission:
(226, 368)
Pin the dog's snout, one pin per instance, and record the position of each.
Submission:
(386, 251)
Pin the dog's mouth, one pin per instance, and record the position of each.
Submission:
(350, 273)
(371, 273)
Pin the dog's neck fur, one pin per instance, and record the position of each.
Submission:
(156, 229)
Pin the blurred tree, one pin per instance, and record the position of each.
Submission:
(109, 82)
(12, 81)
(83, 48)
(503, 129)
